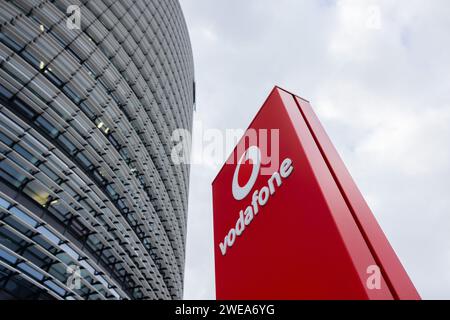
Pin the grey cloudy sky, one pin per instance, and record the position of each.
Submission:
(377, 74)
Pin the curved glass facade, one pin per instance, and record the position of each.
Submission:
(91, 205)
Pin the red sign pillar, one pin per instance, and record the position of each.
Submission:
(289, 221)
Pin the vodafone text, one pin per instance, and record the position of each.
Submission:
(259, 199)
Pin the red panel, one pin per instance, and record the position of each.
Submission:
(396, 276)
(305, 242)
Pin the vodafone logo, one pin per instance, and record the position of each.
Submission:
(259, 197)
(254, 155)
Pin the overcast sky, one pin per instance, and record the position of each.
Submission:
(377, 74)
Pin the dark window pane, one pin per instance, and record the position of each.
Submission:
(24, 109)
(5, 93)
(24, 153)
(47, 126)
(67, 144)
(5, 139)
(5, 256)
(11, 175)
(10, 42)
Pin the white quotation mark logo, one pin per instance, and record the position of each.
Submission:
(374, 280)
(74, 20)
(373, 18)
(253, 154)
(74, 279)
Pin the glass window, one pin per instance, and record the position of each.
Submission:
(10, 42)
(115, 294)
(58, 38)
(11, 240)
(37, 257)
(6, 256)
(98, 178)
(38, 90)
(11, 175)
(5, 204)
(14, 223)
(31, 59)
(60, 212)
(59, 271)
(5, 139)
(78, 227)
(71, 94)
(25, 153)
(100, 288)
(37, 192)
(87, 266)
(108, 256)
(64, 257)
(112, 193)
(103, 281)
(95, 296)
(47, 126)
(52, 285)
(94, 243)
(87, 110)
(67, 144)
(84, 161)
(137, 293)
(23, 216)
(90, 70)
(83, 290)
(24, 165)
(24, 109)
(50, 235)
(113, 141)
(46, 169)
(31, 271)
(5, 92)
(34, 144)
(45, 244)
(70, 251)
(68, 190)
(53, 78)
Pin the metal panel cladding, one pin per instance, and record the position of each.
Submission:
(91, 205)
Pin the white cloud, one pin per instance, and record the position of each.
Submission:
(380, 85)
